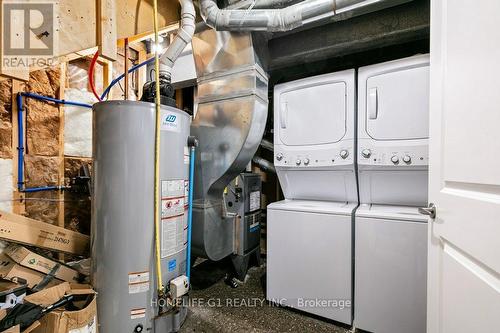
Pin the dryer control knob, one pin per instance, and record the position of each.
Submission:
(298, 161)
(407, 159)
(344, 154)
(395, 159)
(366, 153)
(306, 161)
(279, 157)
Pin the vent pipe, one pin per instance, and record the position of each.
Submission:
(287, 18)
(183, 38)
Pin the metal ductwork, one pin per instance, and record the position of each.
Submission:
(287, 18)
(229, 123)
(249, 4)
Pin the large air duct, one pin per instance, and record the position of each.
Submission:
(229, 123)
(287, 18)
(249, 4)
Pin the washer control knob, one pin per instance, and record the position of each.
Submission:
(366, 153)
(344, 153)
(395, 159)
(279, 157)
(298, 161)
(407, 159)
(306, 161)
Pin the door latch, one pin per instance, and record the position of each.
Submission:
(429, 211)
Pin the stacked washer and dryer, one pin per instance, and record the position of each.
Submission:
(348, 242)
(309, 235)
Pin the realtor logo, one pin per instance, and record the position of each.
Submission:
(29, 36)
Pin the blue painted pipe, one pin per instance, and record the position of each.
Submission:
(20, 138)
(190, 212)
(132, 69)
(20, 143)
(55, 100)
(45, 188)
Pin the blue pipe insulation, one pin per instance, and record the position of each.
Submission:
(20, 133)
(190, 212)
(117, 79)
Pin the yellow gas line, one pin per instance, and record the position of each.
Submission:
(157, 152)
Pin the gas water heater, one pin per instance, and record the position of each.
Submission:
(123, 235)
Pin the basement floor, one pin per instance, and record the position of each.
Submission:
(216, 307)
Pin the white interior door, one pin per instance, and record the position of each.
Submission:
(464, 246)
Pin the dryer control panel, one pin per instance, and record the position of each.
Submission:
(337, 156)
(404, 156)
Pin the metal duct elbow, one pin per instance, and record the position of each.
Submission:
(183, 37)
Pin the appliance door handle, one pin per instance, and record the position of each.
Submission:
(283, 114)
(372, 103)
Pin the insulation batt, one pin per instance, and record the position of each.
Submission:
(6, 185)
(78, 124)
(5, 119)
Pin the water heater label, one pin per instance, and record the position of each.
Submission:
(174, 223)
(172, 207)
(172, 188)
(138, 282)
(173, 235)
(138, 288)
(170, 122)
(171, 265)
(137, 313)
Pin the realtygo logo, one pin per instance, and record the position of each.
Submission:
(29, 36)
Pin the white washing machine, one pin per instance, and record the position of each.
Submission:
(390, 236)
(309, 257)
(309, 244)
(390, 269)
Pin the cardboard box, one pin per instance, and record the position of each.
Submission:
(20, 229)
(61, 320)
(26, 258)
(10, 270)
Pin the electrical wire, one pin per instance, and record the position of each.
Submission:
(91, 76)
(157, 154)
(121, 76)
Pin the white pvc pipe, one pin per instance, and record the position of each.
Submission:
(183, 37)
